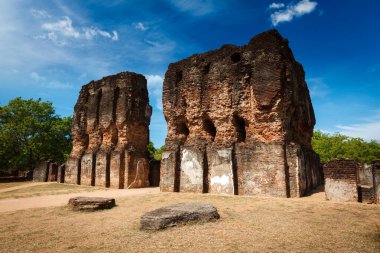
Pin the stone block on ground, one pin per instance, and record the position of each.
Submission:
(91, 203)
(178, 214)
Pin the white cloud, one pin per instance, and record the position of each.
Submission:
(115, 35)
(90, 33)
(155, 83)
(317, 87)
(368, 130)
(63, 29)
(299, 9)
(36, 77)
(63, 26)
(140, 26)
(196, 7)
(276, 5)
(304, 7)
(39, 13)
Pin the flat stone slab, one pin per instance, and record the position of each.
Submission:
(177, 214)
(91, 203)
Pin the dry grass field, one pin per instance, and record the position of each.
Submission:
(15, 190)
(12, 184)
(247, 224)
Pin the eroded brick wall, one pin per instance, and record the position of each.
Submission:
(376, 181)
(110, 133)
(240, 121)
(41, 171)
(348, 180)
(341, 180)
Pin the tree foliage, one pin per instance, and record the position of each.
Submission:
(31, 132)
(330, 146)
(156, 153)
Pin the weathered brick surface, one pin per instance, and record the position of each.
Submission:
(46, 172)
(347, 180)
(110, 133)
(376, 177)
(169, 171)
(41, 171)
(341, 180)
(366, 188)
(53, 171)
(61, 173)
(73, 170)
(240, 121)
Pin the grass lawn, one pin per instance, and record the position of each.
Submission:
(247, 224)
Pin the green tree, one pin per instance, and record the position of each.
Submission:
(153, 152)
(151, 149)
(158, 153)
(31, 132)
(330, 146)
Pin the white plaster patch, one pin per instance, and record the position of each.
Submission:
(165, 155)
(340, 190)
(191, 167)
(223, 180)
(225, 153)
(221, 176)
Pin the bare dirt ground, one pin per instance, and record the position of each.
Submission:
(61, 197)
(247, 224)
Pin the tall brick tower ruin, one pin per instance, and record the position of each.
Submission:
(240, 121)
(110, 133)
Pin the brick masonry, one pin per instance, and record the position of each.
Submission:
(110, 133)
(240, 121)
(348, 180)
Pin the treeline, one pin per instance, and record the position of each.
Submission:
(330, 146)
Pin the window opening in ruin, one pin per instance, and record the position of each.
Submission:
(209, 127)
(239, 124)
(178, 76)
(235, 57)
(206, 68)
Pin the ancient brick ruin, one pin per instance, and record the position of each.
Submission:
(110, 133)
(340, 180)
(45, 172)
(348, 180)
(376, 179)
(240, 121)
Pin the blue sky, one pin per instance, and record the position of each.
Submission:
(49, 49)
